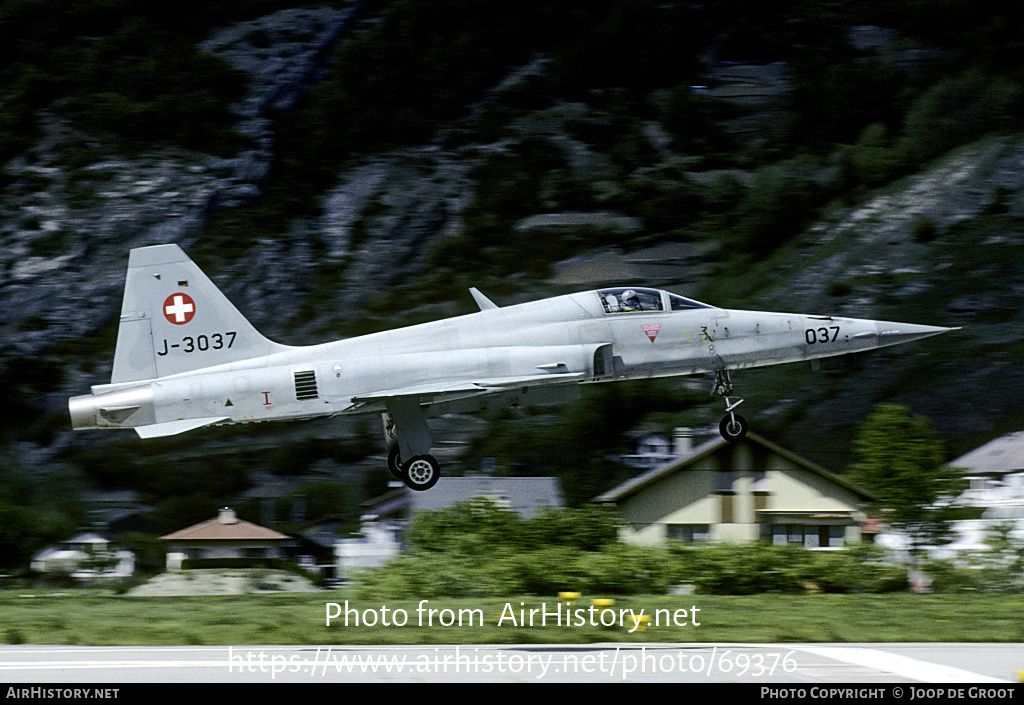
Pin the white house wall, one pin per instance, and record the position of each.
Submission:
(177, 553)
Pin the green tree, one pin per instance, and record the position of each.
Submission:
(901, 462)
(473, 527)
(1001, 563)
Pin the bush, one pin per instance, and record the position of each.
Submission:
(998, 568)
(947, 577)
(427, 575)
(626, 570)
(872, 159)
(479, 527)
(617, 570)
(747, 569)
(858, 570)
(777, 206)
(957, 110)
(924, 229)
(478, 549)
(621, 569)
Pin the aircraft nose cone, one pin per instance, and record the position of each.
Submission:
(893, 333)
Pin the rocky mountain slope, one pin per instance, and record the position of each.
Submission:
(398, 233)
(940, 247)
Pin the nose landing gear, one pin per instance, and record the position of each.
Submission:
(733, 427)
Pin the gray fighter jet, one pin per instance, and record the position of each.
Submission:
(186, 358)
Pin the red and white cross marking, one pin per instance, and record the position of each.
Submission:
(179, 308)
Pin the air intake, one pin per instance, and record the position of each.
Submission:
(305, 385)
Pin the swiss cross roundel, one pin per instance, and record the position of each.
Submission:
(179, 309)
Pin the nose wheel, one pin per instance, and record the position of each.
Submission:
(733, 427)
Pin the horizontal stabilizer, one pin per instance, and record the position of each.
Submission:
(173, 428)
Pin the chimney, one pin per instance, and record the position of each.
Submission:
(682, 441)
(226, 515)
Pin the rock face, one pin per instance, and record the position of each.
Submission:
(66, 230)
(282, 54)
(65, 236)
(894, 233)
(382, 215)
(945, 244)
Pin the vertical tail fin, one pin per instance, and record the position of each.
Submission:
(174, 319)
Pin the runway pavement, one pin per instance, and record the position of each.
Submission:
(984, 665)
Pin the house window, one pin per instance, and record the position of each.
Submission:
(809, 535)
(688, 533)
(794, 533)
(836, 536)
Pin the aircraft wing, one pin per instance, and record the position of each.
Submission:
(442, 390)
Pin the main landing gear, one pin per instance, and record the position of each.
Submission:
(408, 442)
(733, 426)
(421, 472)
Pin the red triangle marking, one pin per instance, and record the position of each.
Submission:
(651, 329)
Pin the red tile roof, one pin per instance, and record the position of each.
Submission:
(217, 530)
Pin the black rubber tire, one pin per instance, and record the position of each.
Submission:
(733, 428)
(395, 463)
(421, 472)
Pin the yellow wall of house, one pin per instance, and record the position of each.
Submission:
(693, 496)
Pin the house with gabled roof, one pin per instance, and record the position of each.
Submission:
(525, 496)
(735, 492)
(87, 556)
(995, 472)
(226, 536)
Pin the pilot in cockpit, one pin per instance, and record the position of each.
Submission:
(630, 301)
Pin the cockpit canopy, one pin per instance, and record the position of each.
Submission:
(632, 299)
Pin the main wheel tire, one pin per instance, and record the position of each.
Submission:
(421, 472)
(733, 428)
(395, 463)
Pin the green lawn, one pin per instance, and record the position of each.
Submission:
(300, 618)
